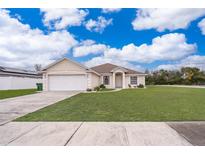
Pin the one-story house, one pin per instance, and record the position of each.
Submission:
(66, 74)
(13, 78)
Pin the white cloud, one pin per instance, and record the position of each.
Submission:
(88, 47)
(167, 47)
(190, 61)
(170, 47)
(102, 60)
(87, 42)
(98, 25)
(201, 25)
(110, 10)
(21, 46)
(169, 18)
(62, 18)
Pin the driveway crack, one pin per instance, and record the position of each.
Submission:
(73, 134)
(23, 134)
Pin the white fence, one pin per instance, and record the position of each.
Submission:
(11, 82)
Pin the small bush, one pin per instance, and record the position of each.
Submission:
(129, 85)
(96, 88)
(88, 89)
(102, 86)
(140, 86)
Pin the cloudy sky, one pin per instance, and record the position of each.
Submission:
(136, 38)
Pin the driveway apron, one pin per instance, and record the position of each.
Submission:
(13, 108)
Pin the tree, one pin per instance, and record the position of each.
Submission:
(192, 75)
(188, 73)
(37, 67)
(186, 76)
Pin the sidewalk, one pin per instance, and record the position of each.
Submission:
(90, 134)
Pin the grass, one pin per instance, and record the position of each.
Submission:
(149, 104)
(14, 93)
(105, 89)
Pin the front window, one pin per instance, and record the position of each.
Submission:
(133, 80)
(106, 80)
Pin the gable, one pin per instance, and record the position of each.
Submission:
(119, 69)
(66, 65)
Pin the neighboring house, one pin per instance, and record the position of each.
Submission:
(66, 74)
(12, 78)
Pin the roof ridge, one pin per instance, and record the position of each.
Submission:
(105, 64)
(109, 67)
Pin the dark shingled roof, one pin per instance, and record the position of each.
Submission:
(8, 71)
(107, 68)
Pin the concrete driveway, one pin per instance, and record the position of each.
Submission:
(90, 134)
(12, 108)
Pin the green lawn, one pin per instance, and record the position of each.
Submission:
(13, 93)
(150, 104)
(105, 89)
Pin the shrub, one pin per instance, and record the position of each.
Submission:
(96, 88)
(140, 86)
(102, 86)
(129, 85)
(88, 89)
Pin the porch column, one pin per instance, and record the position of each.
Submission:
(113, 80)
(123, 80)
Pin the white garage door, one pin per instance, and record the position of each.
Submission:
(67, 82)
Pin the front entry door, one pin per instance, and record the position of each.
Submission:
(118, 80)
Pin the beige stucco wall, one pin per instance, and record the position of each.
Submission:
(127, 81)
(140, 80)
(45, 82)
(89, 81)
(66, 67)
(95, 80)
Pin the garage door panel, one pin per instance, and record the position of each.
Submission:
(67, 82)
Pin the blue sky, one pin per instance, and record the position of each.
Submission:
(113, 35)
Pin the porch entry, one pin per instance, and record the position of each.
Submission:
(118, 80)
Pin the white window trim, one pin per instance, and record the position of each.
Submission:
(131, 80)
